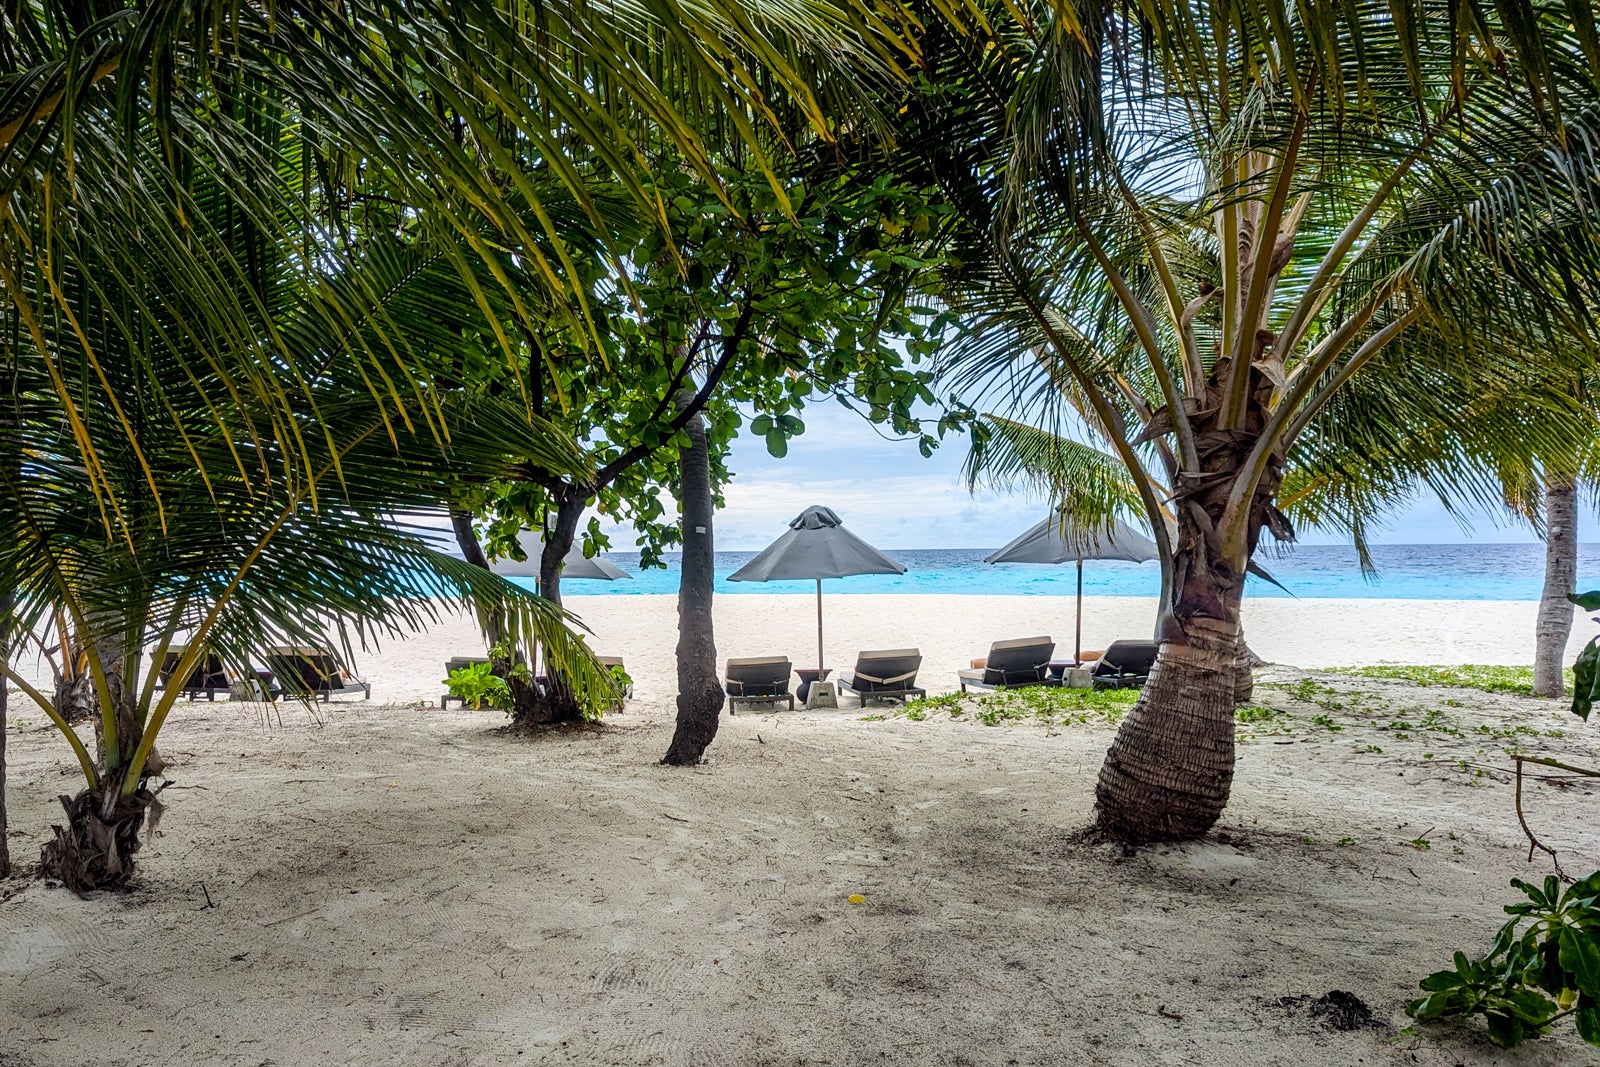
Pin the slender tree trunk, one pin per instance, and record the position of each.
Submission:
(700, 693)
(556, 703)
(8, 603)
(523, 694)
(1560, 578)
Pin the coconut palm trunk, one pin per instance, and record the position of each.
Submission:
(1169, 772)
(700, 694)
(1560, 579)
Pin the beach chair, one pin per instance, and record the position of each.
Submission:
(456, 663)
(1124, 665)
(758, 680)
(207, 676)
(303, 671)
(886, 675)
(1019, 662)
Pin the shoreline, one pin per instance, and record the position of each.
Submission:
(951, 629)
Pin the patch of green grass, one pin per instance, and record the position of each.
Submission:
(1249, 713)
(1049, 705)
(1486, 677)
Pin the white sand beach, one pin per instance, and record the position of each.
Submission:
(951, 630)
(396, 885)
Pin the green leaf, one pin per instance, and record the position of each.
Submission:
(1586, 679)
(1589, 601)
(761, 425)
(1505, 1029)
(1587, 1018)
(1580, 955)
(777, 444)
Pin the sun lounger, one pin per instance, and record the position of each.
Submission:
(1124, 665)
(758, 680)
(1015, 663)
(207, 676)
(886, 675)
(302, 671)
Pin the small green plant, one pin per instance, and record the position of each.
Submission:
(476, 685)
(1344, 842)
(1421, 844)
(1327, 723)
(1248, 713)
(1533, 977)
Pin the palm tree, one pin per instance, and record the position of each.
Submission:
(1247, 208)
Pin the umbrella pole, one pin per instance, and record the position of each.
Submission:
(1077, 637)
(819, 627)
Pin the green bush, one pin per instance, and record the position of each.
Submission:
(1531, 978)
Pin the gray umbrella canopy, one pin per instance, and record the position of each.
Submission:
(1051, 541)
(1059, 540)
(817, 546)
(574, 565)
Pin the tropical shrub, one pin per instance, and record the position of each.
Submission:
(1534, 975)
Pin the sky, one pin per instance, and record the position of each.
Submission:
(887, 493)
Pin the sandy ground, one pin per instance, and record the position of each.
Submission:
(400, 885)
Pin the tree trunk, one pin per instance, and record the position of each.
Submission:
(1560, 578)
(8, 603)
(1168, 774)
(95, 849)
(523, 694)
(699, 690)
(556, 702)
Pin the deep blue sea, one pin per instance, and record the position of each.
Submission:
(1405, 572)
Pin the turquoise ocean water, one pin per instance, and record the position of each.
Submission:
(1405, 572)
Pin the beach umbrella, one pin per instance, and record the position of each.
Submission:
(817, 546)
(573, 565)
(1059, 540)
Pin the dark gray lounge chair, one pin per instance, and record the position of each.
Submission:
(1019, 662)
(207, 676)
(885, 675)
(303, 671)
(758, 680)
(1124, 665)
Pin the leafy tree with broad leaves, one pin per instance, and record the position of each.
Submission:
(1211, 220)
(779, 300)
(215, 397)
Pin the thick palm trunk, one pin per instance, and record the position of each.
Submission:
(94, 850)
(1170, 769)
(1168, 774)
(1560, 578)
(699, 690)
